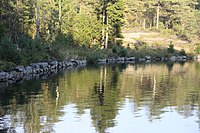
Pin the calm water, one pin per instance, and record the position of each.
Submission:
(151, 98)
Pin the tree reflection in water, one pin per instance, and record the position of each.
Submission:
(105, 99)
(35, 106)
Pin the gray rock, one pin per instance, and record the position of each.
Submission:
(4, 76)
(181, 58)
(157, 58)
(11, 81)
(37, 70)
(130, 59)
(173, 58)
(74, 62)
(43, 65)
(148, 58)
(109, 60)
(60, 65)
(102, 60)
(84, 62)
(53, 65)
(20, 69)
(13, 75)
(67, 63)
(29, 70)
(120, 59)
(141, 59)
(36, 67)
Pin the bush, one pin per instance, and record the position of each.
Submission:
(119, 50)
(197, 49)
(9, 51)
(171, 49)
(4, 65)
(32, 50)
(182, 52)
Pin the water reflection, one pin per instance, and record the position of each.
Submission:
(112, 98)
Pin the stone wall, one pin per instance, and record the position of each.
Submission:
(36, 70)
(144, 59)
(44, 69)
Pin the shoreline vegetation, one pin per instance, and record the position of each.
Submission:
(114, 54)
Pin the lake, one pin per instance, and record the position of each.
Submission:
(115, 98)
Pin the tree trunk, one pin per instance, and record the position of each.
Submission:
(103, 27)
(157, 18)
(37, 21)
(103, 36)
(60, 15)
(107, 30)
(144, 24)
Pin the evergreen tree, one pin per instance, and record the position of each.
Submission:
(111, 12)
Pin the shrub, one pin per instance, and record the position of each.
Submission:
(171, 49)
(197, 49)
(4, 65)
(182, 52)
(32, 50)
(119, 50)
(9, 51)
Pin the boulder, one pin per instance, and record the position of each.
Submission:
(148, 58)
(120, 59)
(102, 61)
(29, 70)
(60, 65)
(82, 62)
(157, 58)
(173, 58)
(68, 64)
(36, 70)
(75, 62)
(181, 58)
(130, 59)
(111, 60)
(11, 81)
(36, 67)
(44, 66)
(20, 69)
(141, 59)
(53, 64)
(4, 76)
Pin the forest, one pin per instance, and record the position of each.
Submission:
(42, 30)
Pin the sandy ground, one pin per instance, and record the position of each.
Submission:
(154, 38)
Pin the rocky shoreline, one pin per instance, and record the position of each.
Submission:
(45, 69)
(36, 70)
(144, 59)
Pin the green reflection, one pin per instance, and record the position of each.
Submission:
(37, 105)
(105, 97)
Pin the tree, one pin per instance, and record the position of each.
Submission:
(111, 12)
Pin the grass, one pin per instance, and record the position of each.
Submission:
(92, 54)
(4, 65)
